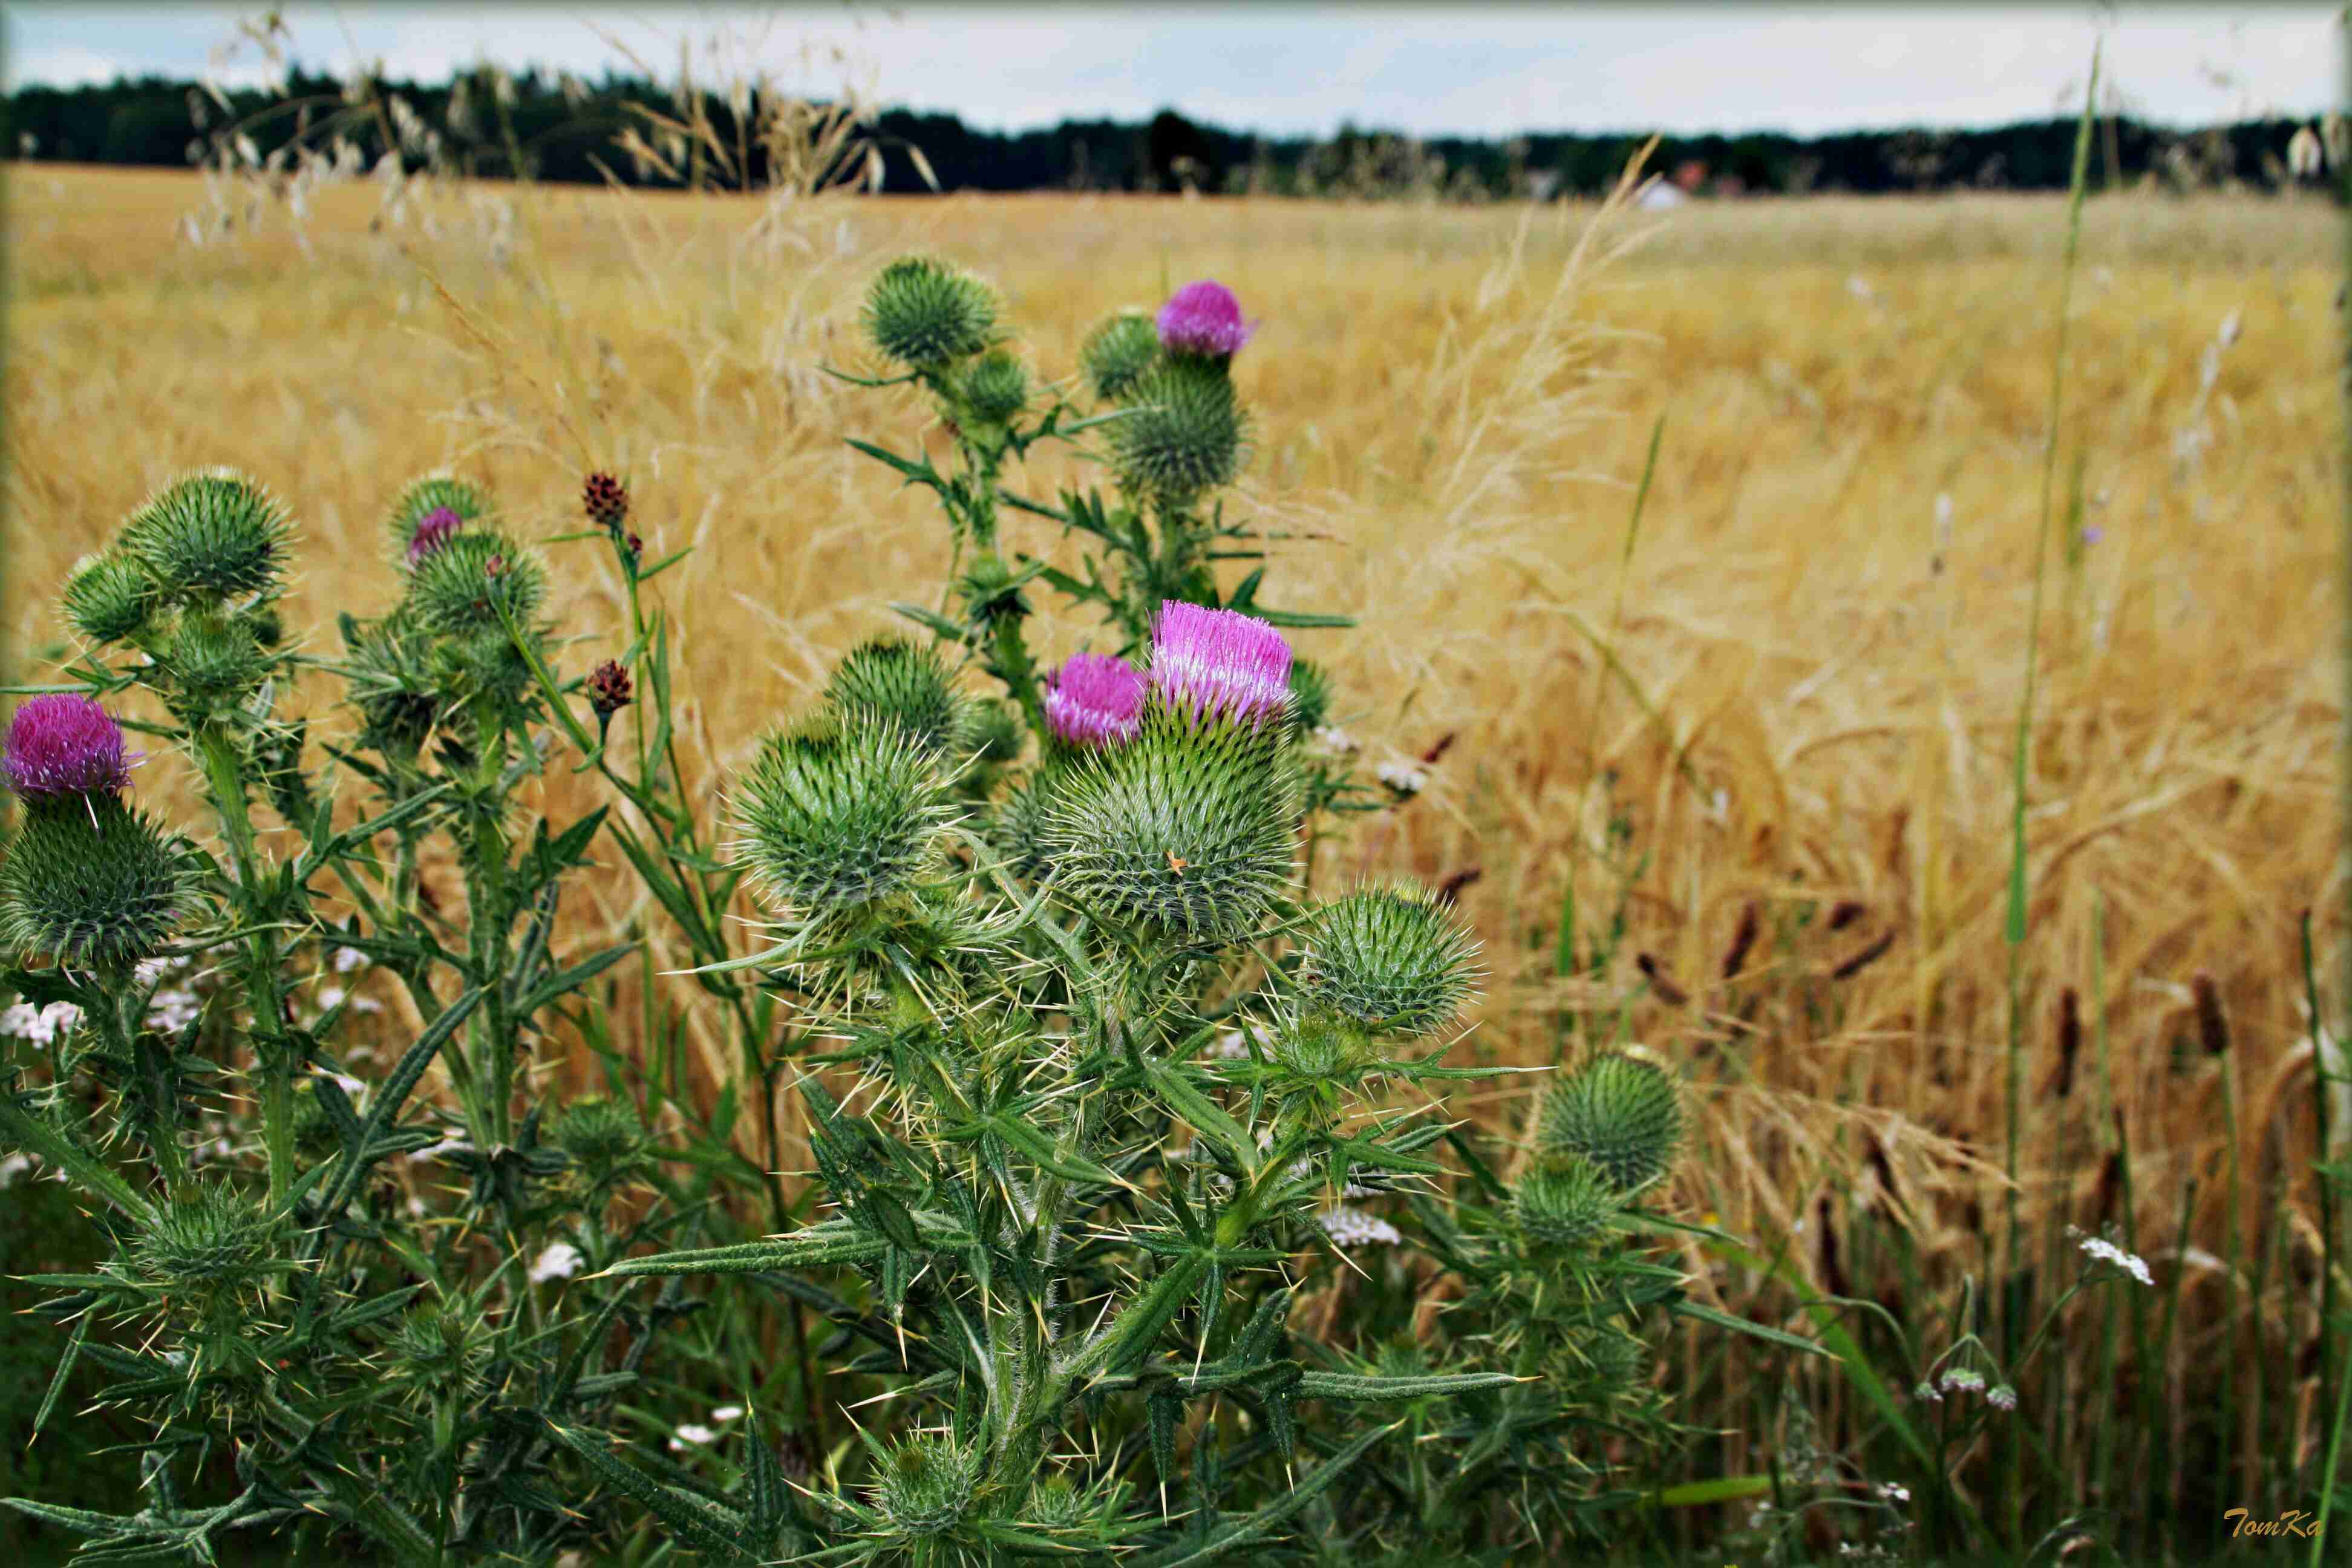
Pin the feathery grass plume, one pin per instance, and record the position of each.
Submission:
(1219, 663)
(1185, 829)
(213, 535)
(461, 588)
(926, 314)
(1117, 353)
(995, 388)
(1622, 1113)
(895, 681)
(210, 1255)
(93, 884)
(109, 598)
(1186, 433)
(1094, 699)
(840, 811)
(1389, 958)
(928, 1485)
(61, 744)
(214, 661)
(422, 502)
(1203, 321)
(1564, 1200)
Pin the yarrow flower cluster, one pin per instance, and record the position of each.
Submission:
(1095, 700)
(1348, 1227)
(1205, 319)
(39, 1026)
(562, 1260)
(65, 743)
(1404, 778)
(1209, 661)
(2106, 1251)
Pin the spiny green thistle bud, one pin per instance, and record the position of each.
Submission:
(897, 681)
(215, 661)
(213, 535)
(924, 313)
(1185, 829)
(1020, 821)
(997, 732)
(439, 1350)
(1620, 1112)
(108, 597)
(1310, 696)
(392, 682)
(1565, 1200)
(1313, 1052)
(1055, 1503)
(927, 1485)
(93, 884)
(1187, 434)
(461, 587)
(1616, 1358)
(1389, 958)
(996, 388)
(840, 811)
(1119, 352)
(465, 503)
(601, 1135)
(210, 1255)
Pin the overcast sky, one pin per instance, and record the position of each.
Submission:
(1293, 69)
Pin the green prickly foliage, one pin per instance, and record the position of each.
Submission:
(92, 884)
(213, 535)
(1622, 1113)
(894, 681)
(1119, 352)
(926, 314)
(834, 814)
(1393, 959)
(392, 683)
(427, 495)
(1310, 696)
(1185, 829)
(1186, 433)
(461, 588)
(109, 598)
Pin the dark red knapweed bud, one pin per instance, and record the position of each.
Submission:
(606, 500)
(608, 689)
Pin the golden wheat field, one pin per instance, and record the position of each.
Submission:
(1795, 688)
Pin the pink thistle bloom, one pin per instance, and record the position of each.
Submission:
(432, 532)
(1220, 661)
(1094, 699)
(64, 743)
(1203, 318)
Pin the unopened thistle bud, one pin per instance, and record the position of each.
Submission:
(214, 661)
(607, 502)
(1117, 353)
(213, 535)
(1094, 699)
(996, 388)
(92, 884)
(433, 532)
(608, 689)
(928, 1485)
(840, 811)
(1219, 663)
(464, 586)
(1203, 320)
(603, 1136)
(1186, 433)
(1391, 959)
(424, 500)
(1623, 1114)
(210, 1255)
(891, 680)
(926, 314)
(108, 597)
(61, 745)
(1564, 1201)
(998, 736)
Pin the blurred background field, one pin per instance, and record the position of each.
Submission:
(1736, 782)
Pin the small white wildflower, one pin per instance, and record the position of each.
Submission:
(416, 1207)
(332, 998)
(727, 1413)
(2130, 1263)
(692, 1434)
(1963, 1380)
(348, 959)
(1890, 1492)
(435, 1151)
(1353, 1227)
(41, 1026)
(1336, 740)
(14, 1167)
(2001, 1398)
(154, 969)
(562, 1260)
(1404, 778)
(1925, 1393)
(365, 1004)
(172, 1011)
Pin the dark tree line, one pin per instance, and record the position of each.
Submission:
(545, 128)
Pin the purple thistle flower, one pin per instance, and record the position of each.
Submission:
(432, 532)
(64, 743)
(1203, 318)
(1220, 661)
(1094, 698)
